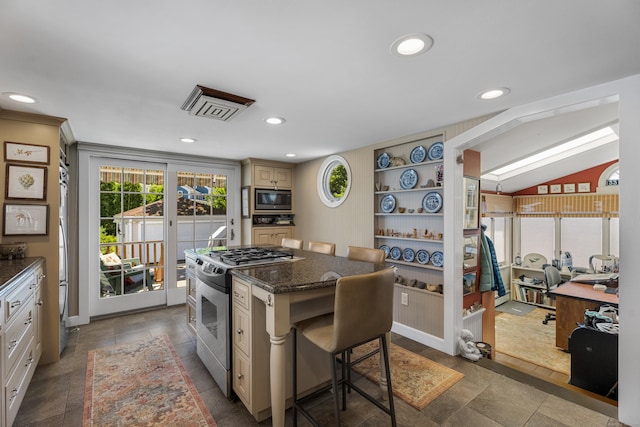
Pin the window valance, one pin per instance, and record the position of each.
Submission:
(568, 205)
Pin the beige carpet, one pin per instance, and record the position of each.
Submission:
(142, 383)
(415, 379)
(526, 338)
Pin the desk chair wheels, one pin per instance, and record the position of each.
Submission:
(549, 316)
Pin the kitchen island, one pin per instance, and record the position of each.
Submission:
(291, 291)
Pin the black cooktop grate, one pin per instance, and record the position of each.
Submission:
(249, 255)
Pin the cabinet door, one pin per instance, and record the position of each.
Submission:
(281, 233)
(262, 236)
(263, 176)
(282, 177)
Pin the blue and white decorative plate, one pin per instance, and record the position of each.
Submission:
(408, 179)
(386, 250)
(432, 202)
(437, 259)
(388, 203)
(383, 161)
(408, 255)
(436, 151)
(422, 256)
(395, 253)
(418, 154)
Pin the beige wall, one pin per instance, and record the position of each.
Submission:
(351, 223)
(40, 130)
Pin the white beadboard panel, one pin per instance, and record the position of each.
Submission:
(423, 312)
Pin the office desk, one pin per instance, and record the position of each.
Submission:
(572, 299)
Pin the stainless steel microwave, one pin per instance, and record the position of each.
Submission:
(272, 200)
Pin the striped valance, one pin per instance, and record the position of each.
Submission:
(568, 205)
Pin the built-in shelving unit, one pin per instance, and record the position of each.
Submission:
(418, 301)
(533, 291)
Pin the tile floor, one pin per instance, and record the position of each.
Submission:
(490, 394)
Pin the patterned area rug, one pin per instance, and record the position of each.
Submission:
(415, 379)
(142, 383)
(526, 338)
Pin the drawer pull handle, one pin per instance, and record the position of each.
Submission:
(14, 394)
(240, 376)
(13, 343)
(16, 303)
(240, 331)
(192, 319)
(29, 362)
(29, 321)
(40, 302)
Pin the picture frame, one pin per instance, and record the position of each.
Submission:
(584, 187)
(569, 188)
(244, 202)
(21, 152)
(26, 182)
(25, 220)
(543, 189)
(555, 188)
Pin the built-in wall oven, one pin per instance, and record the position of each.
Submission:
(213, 305)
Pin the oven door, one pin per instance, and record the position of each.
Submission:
(213, 329)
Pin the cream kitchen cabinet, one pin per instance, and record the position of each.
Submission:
(270, 176)
(20, 335)
(271, 235)
(251, 354)
(190, 279)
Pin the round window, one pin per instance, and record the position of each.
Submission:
(334, 181)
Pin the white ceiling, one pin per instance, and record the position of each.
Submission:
(120, 70)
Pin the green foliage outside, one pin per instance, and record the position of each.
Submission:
(105, 238)
(338, 181)
(218, 198)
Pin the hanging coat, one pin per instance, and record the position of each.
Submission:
(490, 277)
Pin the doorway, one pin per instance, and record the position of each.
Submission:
(131, 228)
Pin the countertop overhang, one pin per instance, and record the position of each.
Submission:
(306, 271)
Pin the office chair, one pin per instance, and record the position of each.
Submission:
(607, 263)
(552, 279)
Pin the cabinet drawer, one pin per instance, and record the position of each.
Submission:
(241, 329)
(18, 383)
(19, 296)
(18, 334)
(241, 294)
(242, 378)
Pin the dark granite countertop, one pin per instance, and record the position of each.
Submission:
(308, 270)
(14, 267)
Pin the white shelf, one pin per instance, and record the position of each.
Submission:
(411, 239)
(414, 264)
(410, 214)
(411, 190)
(410, 165)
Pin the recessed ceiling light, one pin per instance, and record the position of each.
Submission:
(290, 155)
(274, 120)
(18, 97)
(188, 140)
(412, 44)
(494, 93)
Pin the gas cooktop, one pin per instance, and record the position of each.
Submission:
(254, 255)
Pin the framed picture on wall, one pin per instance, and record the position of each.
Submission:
(26, 182)
(25, 220)
(21, 152)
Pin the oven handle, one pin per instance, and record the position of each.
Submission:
(214, 286)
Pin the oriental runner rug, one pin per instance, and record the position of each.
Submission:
(526, 338)
(415, 379)
(141, 383)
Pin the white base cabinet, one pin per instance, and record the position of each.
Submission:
(20, 336)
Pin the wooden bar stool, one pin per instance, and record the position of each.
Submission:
(358, 253)
(323, 248)
(350, 325)
(291, 243)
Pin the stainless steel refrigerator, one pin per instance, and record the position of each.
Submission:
(63, 250)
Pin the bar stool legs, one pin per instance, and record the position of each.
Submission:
(344, 381)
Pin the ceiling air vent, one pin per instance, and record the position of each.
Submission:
(215, 104)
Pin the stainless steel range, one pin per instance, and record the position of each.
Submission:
(213, 304)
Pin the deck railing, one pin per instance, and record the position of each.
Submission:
(150, 253)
